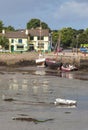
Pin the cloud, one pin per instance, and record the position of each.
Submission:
(72, 10)
(55, 13)
(72, 13)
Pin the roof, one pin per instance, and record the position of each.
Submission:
(22, 33)
(38, 32)
(15, 34)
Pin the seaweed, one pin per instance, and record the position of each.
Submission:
(31, 119)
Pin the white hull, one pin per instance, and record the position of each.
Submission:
(40, 60)
(60, 101)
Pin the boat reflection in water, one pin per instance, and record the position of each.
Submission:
(67, 75)
(40, 72)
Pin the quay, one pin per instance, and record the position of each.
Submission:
(28, 58)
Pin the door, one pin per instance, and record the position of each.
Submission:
(12, 48)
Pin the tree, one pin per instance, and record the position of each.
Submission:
(54, 37)
(35, 23)
(1, 26)
(83, 38)
(67, 34)
(4, 42)
(9, 28)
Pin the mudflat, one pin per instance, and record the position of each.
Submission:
(34, 91)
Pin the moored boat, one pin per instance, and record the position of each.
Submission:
(68, 68)
(40, 61)
(60, 101)
(52, 63)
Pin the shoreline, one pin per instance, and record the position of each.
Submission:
(28, 58)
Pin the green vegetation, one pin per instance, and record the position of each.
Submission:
(4, 42)
(69, 37)
(32, 119)
(35, 23)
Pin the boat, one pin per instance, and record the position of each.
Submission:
(52, 63)
(68, 67)
(60, 101)
(40, 61)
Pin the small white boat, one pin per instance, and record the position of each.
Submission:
(40, 61)
(60, 101)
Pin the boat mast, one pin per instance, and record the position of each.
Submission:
(59, 40)
(40, 35)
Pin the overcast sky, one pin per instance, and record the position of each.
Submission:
(56, 13)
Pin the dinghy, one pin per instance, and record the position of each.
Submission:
(68, 68)
(40, 61)
(60, 101)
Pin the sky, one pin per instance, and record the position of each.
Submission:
(56, 13)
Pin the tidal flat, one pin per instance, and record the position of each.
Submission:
(34, 90)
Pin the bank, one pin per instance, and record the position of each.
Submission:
(28, 59)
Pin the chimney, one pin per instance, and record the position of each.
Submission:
(26, 32)
(3, 31)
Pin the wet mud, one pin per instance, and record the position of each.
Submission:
(27, 96)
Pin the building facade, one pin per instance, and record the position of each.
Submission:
(28, 40)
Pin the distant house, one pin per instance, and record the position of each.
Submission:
(39, 39)
(28, 40)
(18, 40)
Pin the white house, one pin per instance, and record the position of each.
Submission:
(33, 39)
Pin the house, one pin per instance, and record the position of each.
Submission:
(28, 40)
(18, 40)
(39, 39)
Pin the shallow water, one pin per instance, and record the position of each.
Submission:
(34, 91)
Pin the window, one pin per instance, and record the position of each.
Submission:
(20, 47)
(40, 45)
(40, 38)
(19, 40)
(12, 40)
(31, 38)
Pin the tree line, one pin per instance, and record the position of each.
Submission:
(69, 37)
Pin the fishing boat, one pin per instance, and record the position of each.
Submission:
(60, 101)
(52, 63)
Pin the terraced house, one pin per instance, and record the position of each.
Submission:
(28, 40)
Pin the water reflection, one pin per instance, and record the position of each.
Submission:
(40, 85)
(50, 72)
(14, 84)
(67, 75)
(36, 85)
(39, 72)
